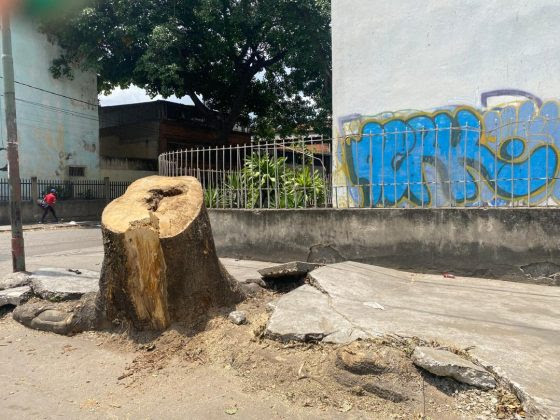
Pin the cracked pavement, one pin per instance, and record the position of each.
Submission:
(514, 327)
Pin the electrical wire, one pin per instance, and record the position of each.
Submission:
(54, 93)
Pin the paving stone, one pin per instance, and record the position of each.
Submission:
(15, 296)
(58, 284)
(444, 363)
(12, 280)
(288, 270)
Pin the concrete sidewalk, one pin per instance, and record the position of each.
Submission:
(51, 226)
(513, 327)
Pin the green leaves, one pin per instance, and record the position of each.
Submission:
(269, 182)
(263, 63)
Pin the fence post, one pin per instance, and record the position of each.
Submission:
(107, 182)
(34, 189)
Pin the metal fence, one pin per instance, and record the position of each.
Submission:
(448, 165)
(5, 190)
(66, 190)
(513, 165)
(289, 173)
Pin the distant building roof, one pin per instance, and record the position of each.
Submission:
(118, 115)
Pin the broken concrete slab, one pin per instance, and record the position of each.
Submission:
(245, 271)
(444, 363)
(288, 270)
(13, 280)
(15, 296)
(513, 327)
(305, 314)
(59, 284)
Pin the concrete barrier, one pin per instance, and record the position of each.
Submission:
(514, 244)
(67, 210)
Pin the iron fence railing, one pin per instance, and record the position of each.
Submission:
(118, 188)
(452, 166)
(393, 165)
(66, 190)
(4, 190)
(288, 173)
(25, 190)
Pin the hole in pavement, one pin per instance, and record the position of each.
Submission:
(6, 309)
(284, 284)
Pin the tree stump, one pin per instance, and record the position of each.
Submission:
(160, 262)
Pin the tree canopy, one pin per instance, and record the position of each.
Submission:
(259, 63)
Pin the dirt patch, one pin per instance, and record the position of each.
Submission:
(374, 377)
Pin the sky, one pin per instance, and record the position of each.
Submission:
(135, 94)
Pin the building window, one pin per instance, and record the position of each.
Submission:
(76, 171)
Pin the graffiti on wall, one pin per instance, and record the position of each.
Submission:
(455, 156)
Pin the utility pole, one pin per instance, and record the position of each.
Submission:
(18, 252)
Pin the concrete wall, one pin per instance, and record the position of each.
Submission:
(135, 141)
(436, 56)
(54, 132)
(67, 210)
(518, 244)
(125, 175)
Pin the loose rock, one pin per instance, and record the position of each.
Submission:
(445, 363)
(238, 317)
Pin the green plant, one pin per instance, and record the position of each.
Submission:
(211, 197)
(305, 189)
(87, 195)
(268, 182)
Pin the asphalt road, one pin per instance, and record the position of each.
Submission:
(61, 248)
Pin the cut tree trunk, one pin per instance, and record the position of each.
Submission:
(160, 262)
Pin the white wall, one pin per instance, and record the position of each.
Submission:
(403, 55)
(54, 132)
(409, 54)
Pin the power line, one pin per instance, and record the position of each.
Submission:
(145, 126)
(54, 93)
(57, 94)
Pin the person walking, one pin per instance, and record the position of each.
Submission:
(47, 204)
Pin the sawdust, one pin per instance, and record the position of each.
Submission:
(307, 374)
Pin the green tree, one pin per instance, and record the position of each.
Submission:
(264, 63)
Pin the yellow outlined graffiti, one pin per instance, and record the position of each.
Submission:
(507, 154)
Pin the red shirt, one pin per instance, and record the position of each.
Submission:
(50, 199)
